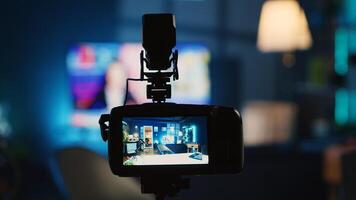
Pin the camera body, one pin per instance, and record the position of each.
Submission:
(174, 139)
(161, 141)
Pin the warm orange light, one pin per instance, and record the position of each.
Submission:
(283, 27)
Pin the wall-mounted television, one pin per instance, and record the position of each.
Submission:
(98, 73)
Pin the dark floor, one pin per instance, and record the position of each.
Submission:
(32, 181)
(268, 174)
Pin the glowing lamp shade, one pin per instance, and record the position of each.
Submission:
(283, 27)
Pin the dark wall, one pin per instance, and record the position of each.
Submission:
(239, 72)
(33, 72)
(37, 34)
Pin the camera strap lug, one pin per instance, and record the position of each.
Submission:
(104, 127)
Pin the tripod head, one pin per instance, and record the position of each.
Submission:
(158, 40)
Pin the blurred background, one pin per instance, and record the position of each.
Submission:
(288, 66)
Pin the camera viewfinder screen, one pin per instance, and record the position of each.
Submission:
(180, 140)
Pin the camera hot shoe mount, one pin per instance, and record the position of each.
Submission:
(159, 88)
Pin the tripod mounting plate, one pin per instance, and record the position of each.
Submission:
(164, 185)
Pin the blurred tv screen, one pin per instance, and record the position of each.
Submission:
(98, 73)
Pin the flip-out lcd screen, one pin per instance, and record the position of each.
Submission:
(180, 140)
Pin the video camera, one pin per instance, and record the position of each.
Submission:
(159, 139)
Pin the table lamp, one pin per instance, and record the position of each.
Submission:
(283, 27)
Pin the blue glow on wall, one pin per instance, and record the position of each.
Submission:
(350, 10)
(352, 109)
(341, 51)
(341, 106)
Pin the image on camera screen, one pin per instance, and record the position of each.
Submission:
(180, 140)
